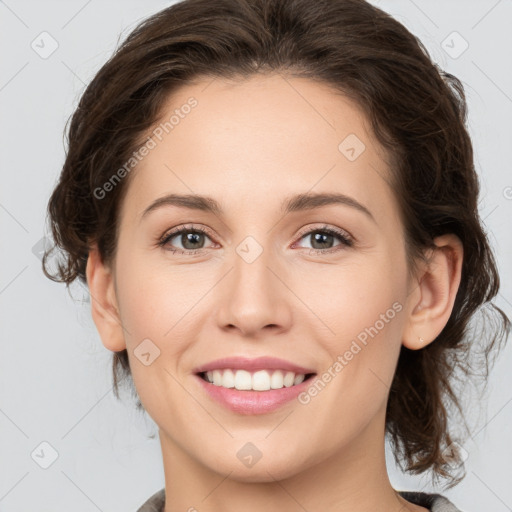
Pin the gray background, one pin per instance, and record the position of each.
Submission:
(55, 373)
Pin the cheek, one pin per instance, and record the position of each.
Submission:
(361, 312)
(159, 309)
(156, 300)
(158, 316)
(364, 313)
(350, 299)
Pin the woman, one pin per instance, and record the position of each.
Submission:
(221, 138)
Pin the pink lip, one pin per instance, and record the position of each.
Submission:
(252, 364)
(253, 402)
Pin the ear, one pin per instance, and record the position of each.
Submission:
(430, 304)
(104, 308)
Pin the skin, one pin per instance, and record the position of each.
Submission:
(250, 144)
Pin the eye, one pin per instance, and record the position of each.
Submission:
(191, 239)
(323, 238)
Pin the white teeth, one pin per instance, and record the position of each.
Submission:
(288, 379)
(228, 379)
(261, 380)
(276, 382)
(243, 380)
(217, 377)
(298, 379)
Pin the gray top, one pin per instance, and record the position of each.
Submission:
(434, 502)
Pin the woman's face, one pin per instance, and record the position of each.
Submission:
(265, 280)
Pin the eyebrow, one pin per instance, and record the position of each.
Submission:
(300, 202)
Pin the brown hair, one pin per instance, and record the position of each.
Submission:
(416, 110)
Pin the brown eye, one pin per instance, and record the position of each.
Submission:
(191, 239)
(322, 239)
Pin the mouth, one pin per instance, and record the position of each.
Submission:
(261, 380)
(251, 386)
(253, 393)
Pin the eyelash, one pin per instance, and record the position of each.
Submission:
(345, 239)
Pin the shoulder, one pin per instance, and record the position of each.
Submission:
(434, 502)
(155, 503)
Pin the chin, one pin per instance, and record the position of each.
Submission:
(264, 470)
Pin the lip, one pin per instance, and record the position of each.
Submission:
(252, 364)
(253, 402)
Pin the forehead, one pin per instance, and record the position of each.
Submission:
(257, 140)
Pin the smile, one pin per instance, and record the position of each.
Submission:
(262, 380)
(250, 401)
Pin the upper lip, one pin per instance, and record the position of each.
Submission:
(247, 363)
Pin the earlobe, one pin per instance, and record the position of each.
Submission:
(104, 308)
(431, 304)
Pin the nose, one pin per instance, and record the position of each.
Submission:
(254, 298)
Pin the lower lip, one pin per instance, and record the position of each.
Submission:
(253, 402)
